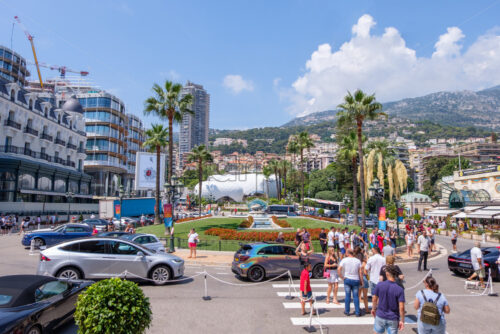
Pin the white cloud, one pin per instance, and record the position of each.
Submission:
(384, 65)
(171, 74)
(236, 84)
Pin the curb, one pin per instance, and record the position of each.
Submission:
(442, 251)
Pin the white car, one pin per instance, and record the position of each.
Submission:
(149, 241)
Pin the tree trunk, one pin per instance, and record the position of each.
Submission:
(200, 182)
(302, 178)
(157, 195)
(355, 190)
(284, 183)
(361, 172)
(170, 147)
(277, 184)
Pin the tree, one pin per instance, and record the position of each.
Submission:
(200, 155)
(349, 150)
(356, 109)
(292, 148)
(156, 139)
(274, 165)
(327, 195)
(304, 142)
(453, 165)
(169, 104)
(284, 167)
(267, 171)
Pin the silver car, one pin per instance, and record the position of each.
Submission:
(96, 258)
(150, 241)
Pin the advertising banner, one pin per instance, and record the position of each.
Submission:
(118, 209)
(400, 215)
(145, 171)
(382, 224)
(167, 215)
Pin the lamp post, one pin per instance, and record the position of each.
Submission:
(377, 192)
(121, 193)
(346, 201)
(398, 203)
(172, 193)
(69, 196)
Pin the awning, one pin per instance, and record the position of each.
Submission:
(461, 215)
(441, 212)
(485, 214)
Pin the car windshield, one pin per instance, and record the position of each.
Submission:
(59, 229)
(5, 299)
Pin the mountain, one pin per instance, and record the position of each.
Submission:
(461, 108)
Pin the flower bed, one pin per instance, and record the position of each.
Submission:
(280, 223)
(188, 219)
(331, 220)
(229, 234)
(247, 222)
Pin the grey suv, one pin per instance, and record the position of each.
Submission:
(96, 258)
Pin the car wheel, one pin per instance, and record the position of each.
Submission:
(69, 273)
(34, 330)
(39, 242)
(160, 275)
(317, 271)
(256, 274)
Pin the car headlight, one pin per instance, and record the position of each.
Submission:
(178, 260)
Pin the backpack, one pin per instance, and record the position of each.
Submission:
(430, 313)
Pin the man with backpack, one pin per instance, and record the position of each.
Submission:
(388, 304)
(431, 306)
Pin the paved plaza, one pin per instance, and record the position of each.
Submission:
(241, 307)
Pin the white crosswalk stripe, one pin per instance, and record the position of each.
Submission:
(315, 294)
(285, 286)
(320, 305)
(352, 320)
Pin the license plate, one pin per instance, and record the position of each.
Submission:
(465, 265)
(237, 259)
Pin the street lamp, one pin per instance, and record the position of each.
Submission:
(377, 192)
(398, 203)
(121, 193)
(346, 202)
(69, 196)
(172, 192)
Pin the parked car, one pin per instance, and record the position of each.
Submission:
(149, 241)
(48, 237)
(100, 224)
(460, 263)
(35, 304)
(262, 260)
(125, 221)
(96, 258)
(114, 234)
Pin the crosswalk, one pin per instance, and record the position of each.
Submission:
(329, 314)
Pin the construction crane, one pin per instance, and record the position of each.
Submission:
(62, 69)
(30, 38)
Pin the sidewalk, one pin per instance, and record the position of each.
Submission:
(206, 258)
(402, 255)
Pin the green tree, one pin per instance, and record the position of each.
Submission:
(156, 139)
(328, 195)
(356, 109)
(453, 165)
(285, 166)
(274, 165)
(267, 171)
(303, 142)
(200, 155)
(168, 103)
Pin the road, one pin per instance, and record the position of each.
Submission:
(245, 308)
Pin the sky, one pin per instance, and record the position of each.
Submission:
(264, 62)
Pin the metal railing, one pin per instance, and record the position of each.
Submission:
(30, 130)
(60, 142)
(71, 146)
(46, 137)
(11, 123)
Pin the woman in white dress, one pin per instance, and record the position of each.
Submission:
(330, 267)
(409, 243)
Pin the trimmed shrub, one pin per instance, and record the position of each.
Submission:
(113, 306)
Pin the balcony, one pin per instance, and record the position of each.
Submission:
(31, 131)
(71, 146)
(46, 157)
(60, 142)
(30, 152)
(81, 150)
(8, 149)
(70, 163)
(59, 160)
(12, 124)
(46, 137)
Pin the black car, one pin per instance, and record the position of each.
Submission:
(460, 263)
(34, 304)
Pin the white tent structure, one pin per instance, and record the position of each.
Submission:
(237, 186)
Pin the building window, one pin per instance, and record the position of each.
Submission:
(26, 181)
(45, 183)
(80, 165)
(12, 116)
(60, 185)
(7, 181)
(31, 104)
(73, 186)
(13, 95)
(84, 188)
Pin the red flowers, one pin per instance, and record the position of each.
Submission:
(183, 220)
(229, 234)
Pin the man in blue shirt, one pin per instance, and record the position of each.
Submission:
(388, 304)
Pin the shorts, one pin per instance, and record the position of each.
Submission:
(306, 295)
(192, 244)
(365, 282)
(453, 241)
(323, 248)
(372, 245)
(334, 278)
(382, 325)
(336, 246)
(432, 241)
(372, 287)
(480, 273)
(342, 250)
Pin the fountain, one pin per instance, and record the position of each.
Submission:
(261, 220)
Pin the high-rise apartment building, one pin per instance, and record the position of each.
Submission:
(134, 140)
(194, 128)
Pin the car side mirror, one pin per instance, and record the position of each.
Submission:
(141, 254)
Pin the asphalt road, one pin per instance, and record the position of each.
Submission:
(247, 308)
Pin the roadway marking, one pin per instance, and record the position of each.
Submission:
(321, 305)
(327, 321)
(315, 294)
(283, 286)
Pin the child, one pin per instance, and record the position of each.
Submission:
(305, 288)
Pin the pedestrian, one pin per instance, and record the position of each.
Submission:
(192, 243)
(372, 268)
(388, 250)
(323, 241)
(388, 305)
(393, 238)
(373, 239)
(454, 240)
(409, 244)
(363, 236)
(143, 220)
(432, 235)
(336, 243)
(130, 229)
(303, 253)
(423, 244)
(94, 230)
(305, 288)
(350, 271)
(431, 306)
(280, 239)
(360, 254)
(347, 238)
(332, 278)
(390, 260)
(331, 237)
(306, 238)
(477, 260)
(298, 237)
(380, 240)
(341, 244)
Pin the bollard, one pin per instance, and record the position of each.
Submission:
(310, 328)
(290, 282)
(490, 282)
(206, 296)
(32, 247)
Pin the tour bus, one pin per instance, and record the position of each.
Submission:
(331, 208)
(278, 209)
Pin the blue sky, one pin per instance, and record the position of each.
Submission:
(265, 61)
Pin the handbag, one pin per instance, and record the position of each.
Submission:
(326, 274)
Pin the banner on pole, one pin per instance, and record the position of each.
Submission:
(401, 214)
(118, 209)
(382, 224)
(167, 215)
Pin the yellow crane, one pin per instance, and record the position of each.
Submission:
(30, 38)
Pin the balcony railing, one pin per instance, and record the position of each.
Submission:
(70, 163)
(45, 156)
(71, 146)
(8, 149)
(11, 123)
(81, 150)
(46, 137)
(30, 130)
(30, 153)
(60, 142)
(59, 160)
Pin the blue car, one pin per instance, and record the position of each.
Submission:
(49, 237)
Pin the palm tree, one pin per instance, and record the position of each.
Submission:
(274, 165)
(168, 103)
(267, 171)
(284, 166)
(356, 109)
(292, 147)
(156, 139)
(349, 151)
(200, 155)
(303, 142)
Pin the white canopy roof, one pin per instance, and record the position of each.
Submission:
(460, 215)
(441, 212)
(488, 212)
